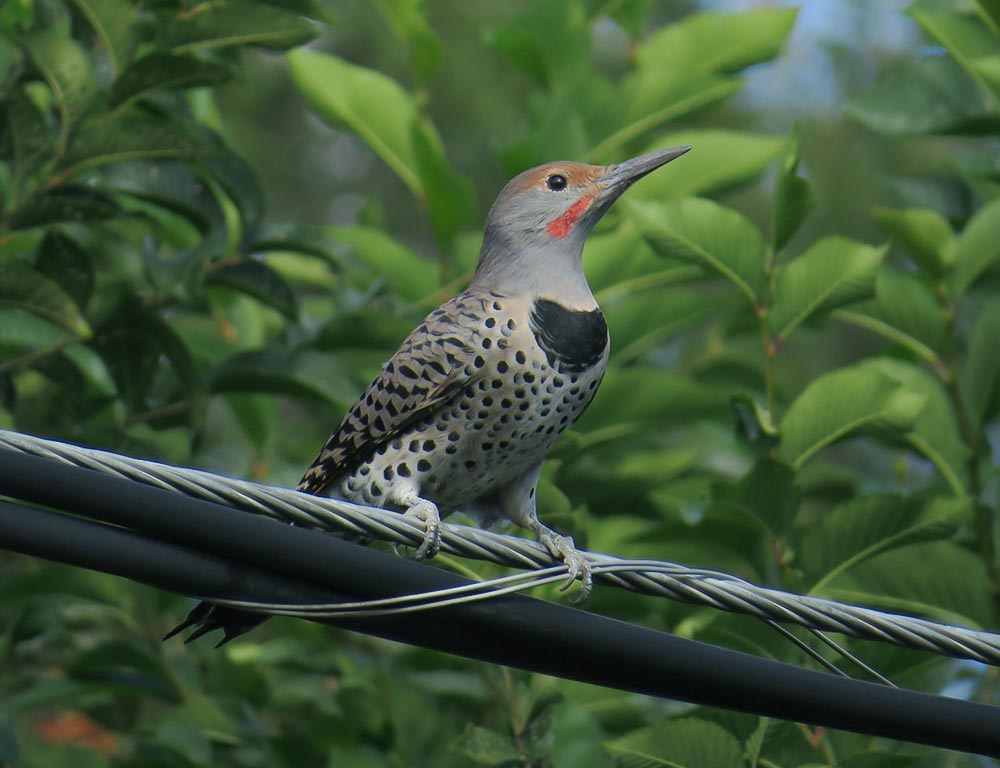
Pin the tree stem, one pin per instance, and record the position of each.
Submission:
(770, 352)
(31, 358)
(970, 434)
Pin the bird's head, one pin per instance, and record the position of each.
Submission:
(536, 228)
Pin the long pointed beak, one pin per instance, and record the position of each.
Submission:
(621, 176)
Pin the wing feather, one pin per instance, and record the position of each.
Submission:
(432, 365)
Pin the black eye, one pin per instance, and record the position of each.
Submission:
(556, 182)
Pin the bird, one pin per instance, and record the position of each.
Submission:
(462, 416)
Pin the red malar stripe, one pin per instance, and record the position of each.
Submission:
(564, 224)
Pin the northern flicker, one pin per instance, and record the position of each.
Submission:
(464, 413)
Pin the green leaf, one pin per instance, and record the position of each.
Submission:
(990, 13)
(557, 125)
(970, 42)
(905, 311)
(168, 185)
(122, 138)
(981, 374)
(21, 331)
(754, 745)
(107, 659)
(354, 756)
(644, 396)
(869, 525)
(312, 377)
(549, 40)
(924, 234)
(708, 234)
(66, 69)
(9, 752)
(151, 365)
(754, 424)
(684, 66)
(834, 271)
(26, 141)
(712, 42)
(314, 9)
(932, 95)
(449, 197)
(841, 404)
(763, 505)
(939, 579)
(366, 328)
(385, 117)
(631, 16)
(25, 288)
(234, 22)
(980, 170)
(793, 198)
(187, 741)
(767, 492)
(239, 182)
(67, 204)
(302, 269)
(65, 262)
(92, 368)
(719, 159)
(657, 99)
(576, 730)
(977, 247)
(207, 715)
(14, 16)
(686, 743)
(482, 745)
(408, 19)
(616, 256)
(165, 71)
(407, 273)
(293, 238)
(640, 321)
(258, 280)
(935, 433)
(113, 21)
(257, 417)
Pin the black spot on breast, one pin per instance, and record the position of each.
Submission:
(572, 340)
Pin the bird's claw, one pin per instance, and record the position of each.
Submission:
(578, 567)
(427, 513)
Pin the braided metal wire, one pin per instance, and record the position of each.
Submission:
(661, 579)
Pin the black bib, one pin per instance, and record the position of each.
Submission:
(572, 340)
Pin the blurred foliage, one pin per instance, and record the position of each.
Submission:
(799, 407)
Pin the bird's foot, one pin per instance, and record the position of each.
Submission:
(579, 567)
(428, 514)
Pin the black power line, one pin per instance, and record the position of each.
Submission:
(197, 547)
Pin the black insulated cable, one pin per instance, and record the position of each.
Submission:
(512, 630)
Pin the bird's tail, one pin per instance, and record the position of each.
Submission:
(206, 617)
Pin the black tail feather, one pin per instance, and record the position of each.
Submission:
(207, 617)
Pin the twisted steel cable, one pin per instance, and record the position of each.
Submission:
(658, 578)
